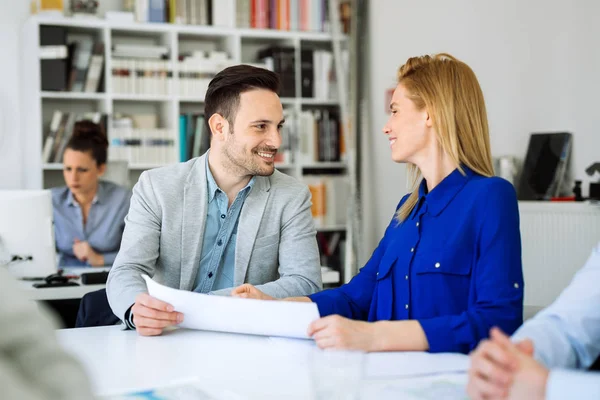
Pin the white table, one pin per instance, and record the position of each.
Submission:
(64, 292)
(250, 367)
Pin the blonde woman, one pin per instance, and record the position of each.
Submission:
(449, 265)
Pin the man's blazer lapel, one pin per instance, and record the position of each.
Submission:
(195, 203)
(250, 218)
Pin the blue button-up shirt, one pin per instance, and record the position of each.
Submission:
(217, 261)
(567, 335)
(103, 229)
(454, 265)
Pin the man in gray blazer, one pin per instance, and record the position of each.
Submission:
(220, 220)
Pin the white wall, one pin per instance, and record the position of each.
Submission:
(12, 15)
(538, 62)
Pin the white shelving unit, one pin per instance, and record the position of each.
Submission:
(38, 105)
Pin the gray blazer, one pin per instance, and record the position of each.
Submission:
(276, 247)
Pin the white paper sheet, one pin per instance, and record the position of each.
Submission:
(230, 314)
(403, 364)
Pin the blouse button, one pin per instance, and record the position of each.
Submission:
(437, 264)
(417, 224)
(412, 250)
(516, 285)
(406, 306)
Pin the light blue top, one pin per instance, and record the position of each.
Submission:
(103, 229)
(567, 335)
(217, 260)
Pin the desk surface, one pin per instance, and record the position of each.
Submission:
(65, 292)
(245, 366)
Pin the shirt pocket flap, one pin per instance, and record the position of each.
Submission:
(385, 265)
(445, 261)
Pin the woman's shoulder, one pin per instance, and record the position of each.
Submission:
(59, 194)
(491, 185)
(115, 191)
(491, 193)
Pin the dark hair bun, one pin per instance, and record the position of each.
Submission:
(88, 136)
(88, 130)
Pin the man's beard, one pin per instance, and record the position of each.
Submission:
(247, 164)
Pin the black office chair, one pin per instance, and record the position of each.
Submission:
(94, 310)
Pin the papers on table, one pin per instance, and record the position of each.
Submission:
(230, 314)
(403, 364)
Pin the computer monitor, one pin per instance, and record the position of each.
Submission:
(27, 245)
(545, 166)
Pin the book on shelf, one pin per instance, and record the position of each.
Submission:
(53, 58)
(93, 81)
(136, 140)
(81, 61)
(60, 130)
(70, 63)
(297, 15)
(329, 198)
(194, 137)
(196, 70)
(320, 137)
(281, 60)
(141, 77)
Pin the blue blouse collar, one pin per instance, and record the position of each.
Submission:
(98, 198)
(445, 191)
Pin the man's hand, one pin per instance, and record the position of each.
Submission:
(84, 252)
(151, 315)
(501, 369)
(247, 291)
(336, 332)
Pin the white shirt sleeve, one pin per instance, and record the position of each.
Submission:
(567, 333)
(563, 384)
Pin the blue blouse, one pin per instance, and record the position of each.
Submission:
(454, 265)
(104, 226)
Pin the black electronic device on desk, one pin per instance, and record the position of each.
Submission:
(594, 186)
(545, 166)
(55, 280)
(94, 278)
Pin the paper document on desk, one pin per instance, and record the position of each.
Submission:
(231, 314)
(403, 364)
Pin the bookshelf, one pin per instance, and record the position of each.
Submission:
(168, 104)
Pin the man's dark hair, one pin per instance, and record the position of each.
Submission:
(223, 94)
(89, 137)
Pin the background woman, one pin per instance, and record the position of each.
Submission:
(88, 213)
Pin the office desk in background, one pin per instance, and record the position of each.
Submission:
(64, 292)
(63, 300)
(243, 366)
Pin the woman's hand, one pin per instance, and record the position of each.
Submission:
(84, 252)
(336, 332)
(247, 291)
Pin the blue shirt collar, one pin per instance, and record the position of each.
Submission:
(98, 198)
(445, 191)
(213, 188)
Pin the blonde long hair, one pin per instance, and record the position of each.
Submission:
(449, 89)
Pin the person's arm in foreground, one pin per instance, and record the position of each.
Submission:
(502, 369)
(32, 363)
